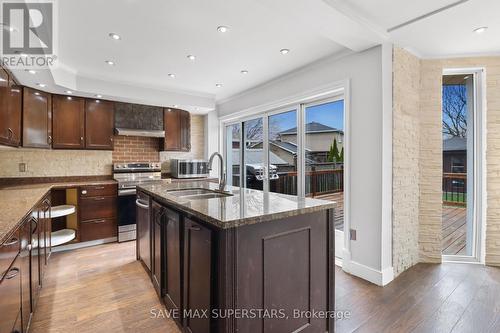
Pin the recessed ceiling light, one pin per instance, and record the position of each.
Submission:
(98, 96)
(69, 97)
(171, 75)
(68, 92)
(41, 85)
(31, 71)
(110, 62)
(222, 28)
(218, 85)
(22, 55)
(114, 36)
(244, 71)
(37, 93)
(284, 51)
(480, 30)
(191, 57)
(176, 106)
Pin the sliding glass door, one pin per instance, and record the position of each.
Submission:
(296, 151)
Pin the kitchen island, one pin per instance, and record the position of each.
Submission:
(240, 260)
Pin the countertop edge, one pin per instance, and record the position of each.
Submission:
(239, 222)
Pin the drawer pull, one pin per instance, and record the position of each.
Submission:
(98, 187)
(141, 204)
(195, 228)
(99, 199)
(95, 221)
(12, 273)
(14, 240)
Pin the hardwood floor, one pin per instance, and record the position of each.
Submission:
(425, 298)
(104, 289)
(98, 289)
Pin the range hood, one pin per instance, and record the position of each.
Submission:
(139, 120)
(139, 132)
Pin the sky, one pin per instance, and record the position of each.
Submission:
(330, 114)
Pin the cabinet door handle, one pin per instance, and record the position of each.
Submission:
(11, 133)
(141, 204)
(29, 247)
(49, 139)
(12, 273)
(13, 240)
(81, 138)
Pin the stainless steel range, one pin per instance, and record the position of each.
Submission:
(128, 176)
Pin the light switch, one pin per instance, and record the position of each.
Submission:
(352, 234)
(22, 167)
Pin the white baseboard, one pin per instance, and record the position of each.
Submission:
(80, 245)
(380, 278)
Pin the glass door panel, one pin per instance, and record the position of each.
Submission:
(233, 154)
(458, 106)
(324, 154)
(282, 138)
(253, 154)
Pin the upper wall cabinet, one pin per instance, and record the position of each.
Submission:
(10, 110)
(68, 122)
(99, 124)
(37, 119)
(177, 130)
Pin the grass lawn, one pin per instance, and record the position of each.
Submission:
(454, 197)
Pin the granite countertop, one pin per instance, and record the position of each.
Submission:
(16, 202)
(245, 206)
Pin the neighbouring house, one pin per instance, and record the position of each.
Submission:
(319, 138)
(455, 155)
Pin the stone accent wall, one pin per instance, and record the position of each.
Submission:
(428, 182)
(430, 163)
(54, 163)
(406, 155)
(433, 69)
(136, 149)
(197, 144)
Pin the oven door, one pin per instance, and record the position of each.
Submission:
(126, 217)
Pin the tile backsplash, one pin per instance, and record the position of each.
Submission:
(54, 163)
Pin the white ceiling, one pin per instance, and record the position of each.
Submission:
(157, 35)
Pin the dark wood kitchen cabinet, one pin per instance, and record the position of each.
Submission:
(97, 207)
(143, 229)
(157, 213)
(99, 124)
(197, 274)
(177, 130)
(68, 122)
(172, 248)
(10, 110)
(37, 118)
(10, 301)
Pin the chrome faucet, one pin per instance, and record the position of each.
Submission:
(222, 177)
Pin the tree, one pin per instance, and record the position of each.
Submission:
(333, 154)
(341, 157)
(455, 110)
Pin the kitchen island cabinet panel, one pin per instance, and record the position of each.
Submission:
(173, 274)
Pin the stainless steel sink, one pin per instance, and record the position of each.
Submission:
(197, 193)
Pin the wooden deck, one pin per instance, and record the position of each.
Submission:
(339, 210)
(454, 221)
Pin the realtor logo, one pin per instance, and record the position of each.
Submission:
(27, 28)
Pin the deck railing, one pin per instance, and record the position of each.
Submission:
(317, 182)
(455, 189)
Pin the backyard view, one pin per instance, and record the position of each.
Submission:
(455, 130)
(324, 153)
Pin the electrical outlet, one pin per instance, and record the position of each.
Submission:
(22, 167)
(352, 234)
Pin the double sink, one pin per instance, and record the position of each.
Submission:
(197, 193)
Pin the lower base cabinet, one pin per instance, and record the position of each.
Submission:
(10, 301)
(197, 276)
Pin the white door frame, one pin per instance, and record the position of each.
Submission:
(478, 213)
